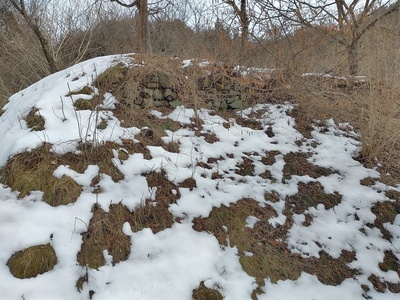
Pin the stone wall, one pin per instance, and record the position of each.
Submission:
(214, 87)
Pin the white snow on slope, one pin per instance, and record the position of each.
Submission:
(171, 263)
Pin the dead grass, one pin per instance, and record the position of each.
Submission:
(246, 168)
(34, 120)
(205, 293)
(297, 164)
(101, 155)
(155, 214)
(33, 171)
(385, 212)
(153, 128)
(310, 195)
(270, 257)
(391, 263)
(86, 90)
(105, 229)
(372, 108)
(32, 261)
(105, 233)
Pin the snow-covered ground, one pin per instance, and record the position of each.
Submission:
(171, 263)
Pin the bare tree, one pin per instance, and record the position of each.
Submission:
(345, 21)
(241, 12)
(143, 9)
(32, 20)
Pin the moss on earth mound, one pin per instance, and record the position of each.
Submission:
(105, 233)
(33, 171)
(32, 261)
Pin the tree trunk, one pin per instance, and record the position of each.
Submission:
(244, 21)
(51, 62)
(352, 58)
(145, 46)
(34, 26)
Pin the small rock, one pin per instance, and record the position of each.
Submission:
(148, 93)
(160, 103)
(236, 105)
(153, 85)
(223, 105)
(232, 99)
(164, 80)
(148, 103)
(270, 133)
(175, 103)
(167, 93)
(157, 94)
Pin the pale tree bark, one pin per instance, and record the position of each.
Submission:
(350, 20)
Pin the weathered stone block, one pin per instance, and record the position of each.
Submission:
(167, 93)
(153, 85)
(157, 94)
(164, 80)
(236, 105)
(159, 103)
(232, 99)
(223, 105)
(148, 103)
(175, 103)
(147, 93)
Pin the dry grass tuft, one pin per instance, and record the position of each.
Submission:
(297, 164)
(105, 233)
(270, 257)
(153, 215)
(153, 128)
(167, 192)
(246, 168)
(86, 90)
(32, 261)
(310, 195)
(101, 155)
(379, 123)
(385, 212)
(205, 293)
(111, 79)
(391, 263)
(33, 171)
(34, 120)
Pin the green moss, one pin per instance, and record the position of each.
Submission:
(33, 171)
(112, 77)
(32, 261)
(105, 233)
